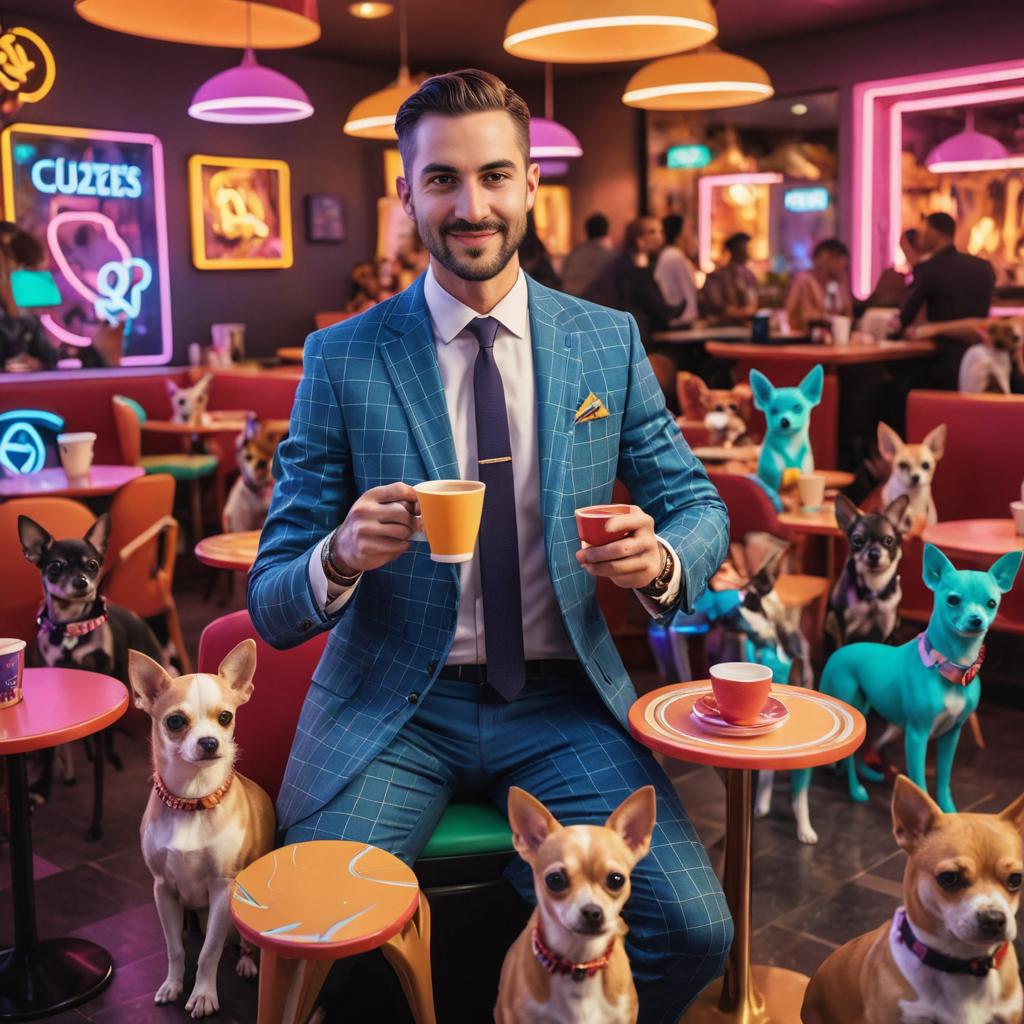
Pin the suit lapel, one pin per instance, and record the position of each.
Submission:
(411, 360)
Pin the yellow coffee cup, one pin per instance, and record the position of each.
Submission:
(451, 511)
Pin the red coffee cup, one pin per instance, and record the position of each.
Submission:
(591, 523)
(742, 689)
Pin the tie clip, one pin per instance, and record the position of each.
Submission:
(489, 462)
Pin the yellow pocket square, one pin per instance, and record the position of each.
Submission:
(591, 409)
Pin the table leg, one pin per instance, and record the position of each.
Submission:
(38, 979)
(745, 995)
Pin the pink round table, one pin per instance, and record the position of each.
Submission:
(974, 536)
(54, 482)
(40, 978)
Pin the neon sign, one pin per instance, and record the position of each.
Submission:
(686, 158)
(27, 68)
(806, 200)
(22, 449)
(86, 178)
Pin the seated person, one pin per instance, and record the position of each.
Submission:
(365, 287)
(823, 290)
(23, 346)
(729, 295)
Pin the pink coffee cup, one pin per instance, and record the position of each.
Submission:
(592, 523)
(741, 689)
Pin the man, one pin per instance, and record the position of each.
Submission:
(729, 295)
(440, 679)
(807, 302)
(949, 285)
(583, 266)
(674, 273)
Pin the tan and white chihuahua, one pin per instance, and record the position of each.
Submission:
(204, 822)
(188, 405)
(249, 499)
(913, 466)
(569, 965)
(946, 956)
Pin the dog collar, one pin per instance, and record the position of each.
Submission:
(950, 670)
(979, 966)
(264, 491)
(180, 803)
(67, 634)
(554, 964)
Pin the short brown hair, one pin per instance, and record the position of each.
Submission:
(461, 92)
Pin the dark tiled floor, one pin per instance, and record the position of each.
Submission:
(807, 900)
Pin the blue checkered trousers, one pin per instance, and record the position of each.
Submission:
(382, 745)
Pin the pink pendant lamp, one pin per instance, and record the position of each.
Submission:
(552, 145)
(970, 150)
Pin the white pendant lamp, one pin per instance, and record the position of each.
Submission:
(600, 31)
(698, 81)
(373, 117)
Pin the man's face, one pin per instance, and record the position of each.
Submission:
(652, 238)
(469, 192)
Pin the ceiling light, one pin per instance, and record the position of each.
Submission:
(971, 151)
(598, 31)
(551, 143)
(799, 109)
(275, 24)
(250, 94)
(371, 10)
(698, 81)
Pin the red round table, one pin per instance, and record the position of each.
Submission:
(40, 978)
(819, 730)
(53, 482)
(229, 550)
(974, 536)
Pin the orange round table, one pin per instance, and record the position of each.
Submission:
(974, 536)
(40, 978)
(229, 550)
(54, 482)
(819, 730)
(309, 904)
(290, 354)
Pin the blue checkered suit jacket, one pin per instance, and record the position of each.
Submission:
(370, 410)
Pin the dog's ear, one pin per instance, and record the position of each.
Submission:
(531, 822)
(889, 442)
(846, 512)
(813, 384)
(238, 668)
(1004, 570)
(937, 566)
(692, 393)
(172, 388)
(914, 813)
(35, 541)
(762, 388)
(99, 535)
(634, 820)
(1014, 814)
(896, 510)
(252, 427)
(203, 385)
(149, 679)
(935, 439)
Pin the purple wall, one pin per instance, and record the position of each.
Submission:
(115, 81)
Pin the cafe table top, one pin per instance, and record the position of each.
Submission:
(235, 551)
(827, 355)
(975, 536)
(51, 483)
(226, 421)
(290, 354)
(821, 523)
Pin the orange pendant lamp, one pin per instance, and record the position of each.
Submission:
(698, 81)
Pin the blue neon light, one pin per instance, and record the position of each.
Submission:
(117, 293)
(22, 449)
(87, 178)
(806, 200)
(687, 158)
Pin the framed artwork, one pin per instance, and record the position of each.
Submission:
(241, 213)
(325, 217)
(552, 213)
(95, 201)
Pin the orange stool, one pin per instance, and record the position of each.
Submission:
(309, 904)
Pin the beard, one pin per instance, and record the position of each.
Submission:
(473, 266)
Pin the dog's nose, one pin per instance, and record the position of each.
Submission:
(991, 923)
(592, 915)
(874, 555)
(915, 478)
(784, 423)
(209, 744)
(80, 583)
(976, 622)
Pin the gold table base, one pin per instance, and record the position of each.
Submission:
(774, 996)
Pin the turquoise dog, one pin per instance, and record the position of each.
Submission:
(929, 686)
(787, 412)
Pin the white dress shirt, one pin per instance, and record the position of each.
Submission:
(543, 633)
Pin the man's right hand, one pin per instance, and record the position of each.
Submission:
(376, 530)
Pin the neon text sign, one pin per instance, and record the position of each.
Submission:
(87, 178)
(22, 449)
(27, 68)
(806, 200)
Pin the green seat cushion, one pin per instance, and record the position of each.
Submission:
(181, 467)
(469, 828)
(134, 406)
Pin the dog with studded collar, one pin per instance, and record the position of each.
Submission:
(946, 956)
(569, 965)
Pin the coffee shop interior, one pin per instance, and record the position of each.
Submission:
(813, 212)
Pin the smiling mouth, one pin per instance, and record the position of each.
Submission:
(472, 238)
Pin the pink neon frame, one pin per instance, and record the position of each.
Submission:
(881, 163)
(166, 352)
(704, 186)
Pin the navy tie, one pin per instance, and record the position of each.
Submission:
(499, 539)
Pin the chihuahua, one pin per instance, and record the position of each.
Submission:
(204, 822)
(865, 601)
(725, 414)
(946, 956)
(913, 466)
(78, 629)
(569, 965)
(249, 499)
(188, 405)
(988, 367)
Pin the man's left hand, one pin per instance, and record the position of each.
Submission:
(631, 562)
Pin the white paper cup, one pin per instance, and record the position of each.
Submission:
(840, 329)
(1017, 508)
(812, 491)
(76, 451)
